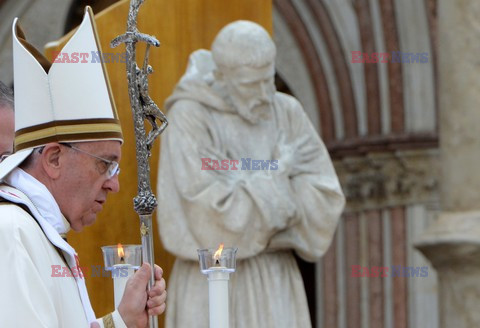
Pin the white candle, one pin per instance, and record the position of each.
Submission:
(120, 274)
(218, 297)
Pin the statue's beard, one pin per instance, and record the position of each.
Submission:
(254, 112)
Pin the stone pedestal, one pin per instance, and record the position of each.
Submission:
(452, 243)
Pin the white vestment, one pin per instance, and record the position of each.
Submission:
(31, 251)
(290, 204)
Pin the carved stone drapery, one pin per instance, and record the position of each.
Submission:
(379, 180)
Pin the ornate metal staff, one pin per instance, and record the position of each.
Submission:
(143, 107)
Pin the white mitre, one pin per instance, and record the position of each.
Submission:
(60, 102)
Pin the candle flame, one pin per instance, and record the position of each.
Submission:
(218, 253)
(120, 251)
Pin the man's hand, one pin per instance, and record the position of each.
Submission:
(137, 304)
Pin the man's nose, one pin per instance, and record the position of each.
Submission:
(112, 184)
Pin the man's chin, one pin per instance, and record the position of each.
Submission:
(90, 220)
(85, 221)
(77, 227)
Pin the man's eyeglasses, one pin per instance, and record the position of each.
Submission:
(4, 156)
(112, 166)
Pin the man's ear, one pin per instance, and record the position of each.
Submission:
(51, 159)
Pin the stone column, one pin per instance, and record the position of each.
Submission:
(452, 243)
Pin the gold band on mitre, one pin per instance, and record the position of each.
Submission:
(61, 131)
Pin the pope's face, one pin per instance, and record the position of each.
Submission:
(250, 90)
(85, 184)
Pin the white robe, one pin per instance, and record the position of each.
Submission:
(30, 293)
(267, 214)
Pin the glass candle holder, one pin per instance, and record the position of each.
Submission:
(225, 262)
(122, 261)
(113, 256)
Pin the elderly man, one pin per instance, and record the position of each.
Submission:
(242, 165)
(7, 128)
(67, 149)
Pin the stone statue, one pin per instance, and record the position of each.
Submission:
(241, 164)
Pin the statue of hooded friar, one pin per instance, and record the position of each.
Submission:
(241, 164)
